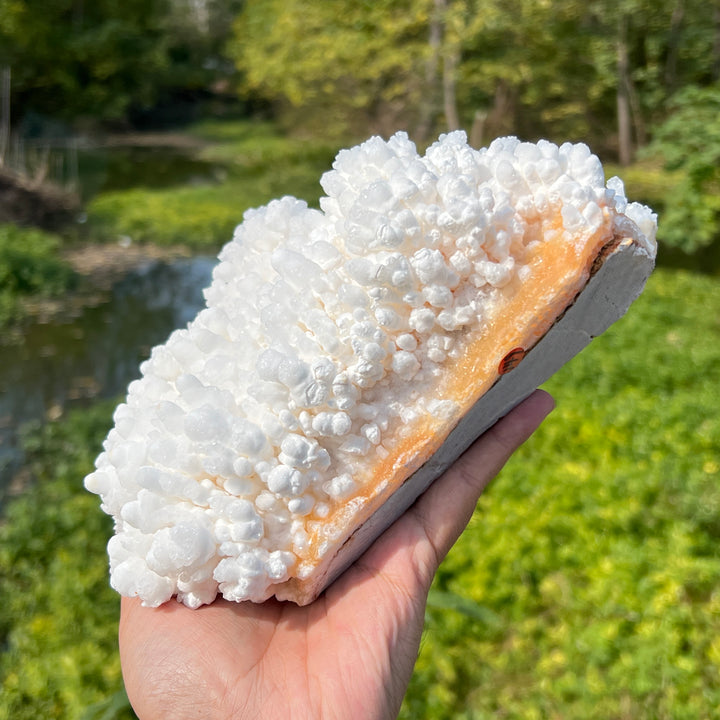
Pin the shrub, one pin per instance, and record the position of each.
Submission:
(594, 555)
(259, 165)
(58, 626)
(30, 266)
(689, 144)
(195, 217)
(585, 586)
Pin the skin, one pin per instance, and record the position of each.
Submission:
(351, 653)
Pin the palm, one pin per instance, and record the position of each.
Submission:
(347, 655)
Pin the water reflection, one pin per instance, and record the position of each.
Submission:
(95, 354)
(106, 169)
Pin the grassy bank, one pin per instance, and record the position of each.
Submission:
(597, 550)
(58, 629)
(251, 163)
(255, 164)
(30, 268)
(589, 572)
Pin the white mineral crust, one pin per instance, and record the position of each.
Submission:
(323, 335)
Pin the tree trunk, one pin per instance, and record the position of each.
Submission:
(636, 114)
(676, 21)
(4, 113)
(623, 95)
(451, 59)
(716, 44)
(477, 131)
(501, 118)
(450, 63)
(429, 102)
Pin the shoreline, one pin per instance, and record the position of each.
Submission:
(103, 264)
(98, 266)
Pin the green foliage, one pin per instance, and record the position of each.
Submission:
(585, 586)
(258, 164)
(526, 67)
(530, 68)
(689, 143)
(71, 59)
(338, 62)
(58, 627)
(597, 547)
(196, 217)
(647, 182)
(196, 34)
(253, 145)
(30, 266)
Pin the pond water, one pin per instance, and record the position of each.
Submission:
(95, 353)
(104, 169)
(121, 164)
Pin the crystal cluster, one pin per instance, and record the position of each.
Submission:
(323, 339)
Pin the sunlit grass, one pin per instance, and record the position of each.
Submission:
(248, 143)
(585, 587)
(30, 267)
(598, 545)
(593, 558)
(258, 164)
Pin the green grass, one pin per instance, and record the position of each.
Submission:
(30, 267)
(254, 143)
(58, 625)
(646, 181)
(587, 586)
(597, 548)
(684, 241)
(258, 164)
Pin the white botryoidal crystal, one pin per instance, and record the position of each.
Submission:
(323, 339)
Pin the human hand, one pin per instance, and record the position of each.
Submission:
(348, 655)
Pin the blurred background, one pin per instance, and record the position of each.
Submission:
(134, 135)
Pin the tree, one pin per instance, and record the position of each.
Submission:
(197, 32)
(643, 51)
(689, 144)
(72, 58)
(600, 72)
(347, 66)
